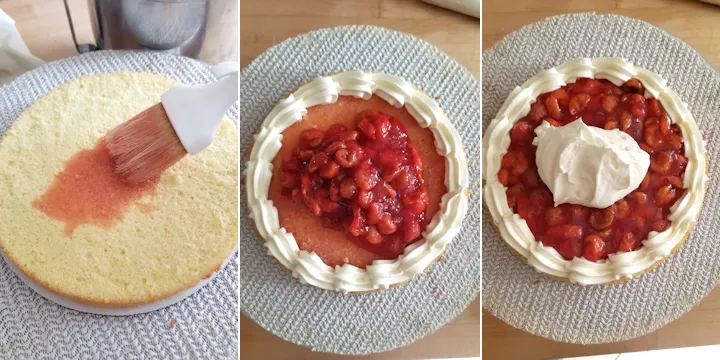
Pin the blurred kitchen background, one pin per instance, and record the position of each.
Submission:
(44, 26)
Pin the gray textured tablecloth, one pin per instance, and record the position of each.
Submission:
(32, 327)
(350, 323)
(598, 314)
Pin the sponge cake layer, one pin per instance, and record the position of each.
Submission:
(164, 243)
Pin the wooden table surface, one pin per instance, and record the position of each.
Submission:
(696, 23)
(265, 23)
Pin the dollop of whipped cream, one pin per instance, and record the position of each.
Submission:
(587, 165)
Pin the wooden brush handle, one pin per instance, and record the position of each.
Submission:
(467, 7)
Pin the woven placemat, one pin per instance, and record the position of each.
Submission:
(31, 327)
(346, 323)
(512, 290)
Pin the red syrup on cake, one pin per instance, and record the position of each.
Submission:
(367, 181)
(575, 230)
(88, 191)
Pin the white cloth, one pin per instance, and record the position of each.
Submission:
(15, 57)
(467, 7)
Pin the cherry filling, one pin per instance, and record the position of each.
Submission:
(367, 181)
(575, 230)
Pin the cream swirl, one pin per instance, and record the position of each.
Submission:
(587, 165)
(515, 231)
(309, 267)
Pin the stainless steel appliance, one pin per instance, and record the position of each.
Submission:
(176, 26)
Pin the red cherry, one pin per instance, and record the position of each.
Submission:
(357, 227)
(637, 198)
(334, 191)
(622, 209)
(665, 195)
(522, 131)
(602, 219)
(391, 193)
(594, 248)
(653, 107)
(318, 160)
(638, 111)
(367, 129)
(561, 95)
(416, 159)
(323, 198)
(554, 216)
(306, 155)
(334, 147)
(578, 103)
(402, 181)
(374, 213)
(636, 99)
(610, 125)
(531, 178)
(513, 193)
(366, 176)
(566, 240)
(634, 86)
(348, 188)
(664, 124)
(386, 225)
(312, 137)
(588, 86)
(314, 206)
(503, 177)
(382, 127)
(537, 112)
(626, 120)
(609, 102)
(627, 242)
(578, 212)
(390, 172)
(364, 198)
(541, 198)
(553, 107)
(416, 202)
(516, 162)
(373, 236)
(334, 130)
(305, 183)
(411, 230)
(330, 170)
(346, 136)
(675, 181)
(660, 162)
(346, 158)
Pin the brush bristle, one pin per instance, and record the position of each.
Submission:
(144, 146)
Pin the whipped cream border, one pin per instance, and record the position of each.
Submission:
(309, 267)
(515, 231)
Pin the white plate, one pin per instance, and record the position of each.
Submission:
(110, 310)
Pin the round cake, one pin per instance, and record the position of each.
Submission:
(357, 182)
(71, 224)
(595, 171)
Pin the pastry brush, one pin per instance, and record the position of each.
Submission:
(185, 121)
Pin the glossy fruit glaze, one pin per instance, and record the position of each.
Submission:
(579, 231)
(89, 191)
(367, 181)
